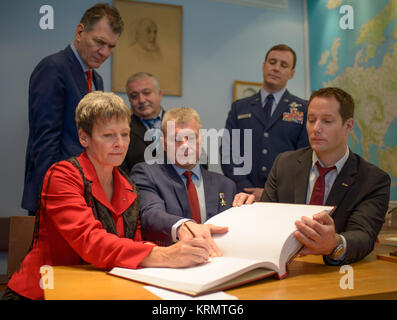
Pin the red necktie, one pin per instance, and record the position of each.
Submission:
(317, 197)
(89, 80)
(193, 198)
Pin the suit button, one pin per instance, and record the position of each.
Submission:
(266, 135)
(264, 169)
(264, 151)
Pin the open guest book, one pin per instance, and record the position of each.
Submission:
(260, 243)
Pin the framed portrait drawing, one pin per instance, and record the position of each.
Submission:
(244, 89)
(151, 42)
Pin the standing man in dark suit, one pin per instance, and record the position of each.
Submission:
(276, 119)
(180, 190)
(56, 86)
(145, 96)
(329, 173)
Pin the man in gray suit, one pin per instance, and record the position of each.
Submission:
(329, 173)
(166, 188)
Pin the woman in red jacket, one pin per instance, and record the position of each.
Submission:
(89, 210)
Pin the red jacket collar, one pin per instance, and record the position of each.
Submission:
(123, 193)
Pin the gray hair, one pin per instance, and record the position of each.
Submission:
(142, 75)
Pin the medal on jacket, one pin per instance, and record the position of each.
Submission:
(294, 115)
(222, 199)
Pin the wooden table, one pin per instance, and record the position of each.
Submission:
(308, 278)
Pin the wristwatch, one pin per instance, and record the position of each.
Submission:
(338, 251)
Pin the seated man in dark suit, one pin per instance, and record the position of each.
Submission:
(181, 190)
(329, 173)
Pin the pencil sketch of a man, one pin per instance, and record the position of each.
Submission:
(144, 44)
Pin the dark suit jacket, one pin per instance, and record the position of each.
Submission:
(56, 86)
(360, 193)
(268, 139)
(164, 198)
(136, 149)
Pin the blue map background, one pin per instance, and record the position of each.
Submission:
(362, 61)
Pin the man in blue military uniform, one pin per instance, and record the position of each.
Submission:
(277, 120)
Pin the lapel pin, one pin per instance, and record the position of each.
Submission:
(222, 199)
(344, 184)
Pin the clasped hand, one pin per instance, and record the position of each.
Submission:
(317, 235)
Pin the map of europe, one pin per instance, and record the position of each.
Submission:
(363, 62)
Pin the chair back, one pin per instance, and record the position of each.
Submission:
(4, 231)
(20, 239)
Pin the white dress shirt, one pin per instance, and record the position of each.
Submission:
(329, 181)
(277, 97)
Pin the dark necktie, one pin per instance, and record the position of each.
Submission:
(193, 198)
(317, 196)
(151, 122)
(267, 109)
(89, 80)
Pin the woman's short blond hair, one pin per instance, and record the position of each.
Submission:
(101, 106)
(180, 115)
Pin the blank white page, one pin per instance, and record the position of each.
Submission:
(259, 230)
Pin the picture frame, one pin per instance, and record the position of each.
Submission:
(151, 42)
(244, 89)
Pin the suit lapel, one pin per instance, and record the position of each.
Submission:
(302, 176)
(98, 82)
(76, 71)
(343, 181)
(210, 194)
(282, 107)
(179, 189)
(138, 129)
(256, 107)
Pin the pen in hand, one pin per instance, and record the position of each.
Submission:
(184, 225)
(188, 229)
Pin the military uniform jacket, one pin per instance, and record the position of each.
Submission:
(286, 130)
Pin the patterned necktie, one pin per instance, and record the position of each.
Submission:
(267, 109)
(193, 198)
(317, 196)
(89, 80)
(151, 122)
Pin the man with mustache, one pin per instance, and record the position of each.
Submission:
(277, 120)
(145, 96)
(56, 86)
